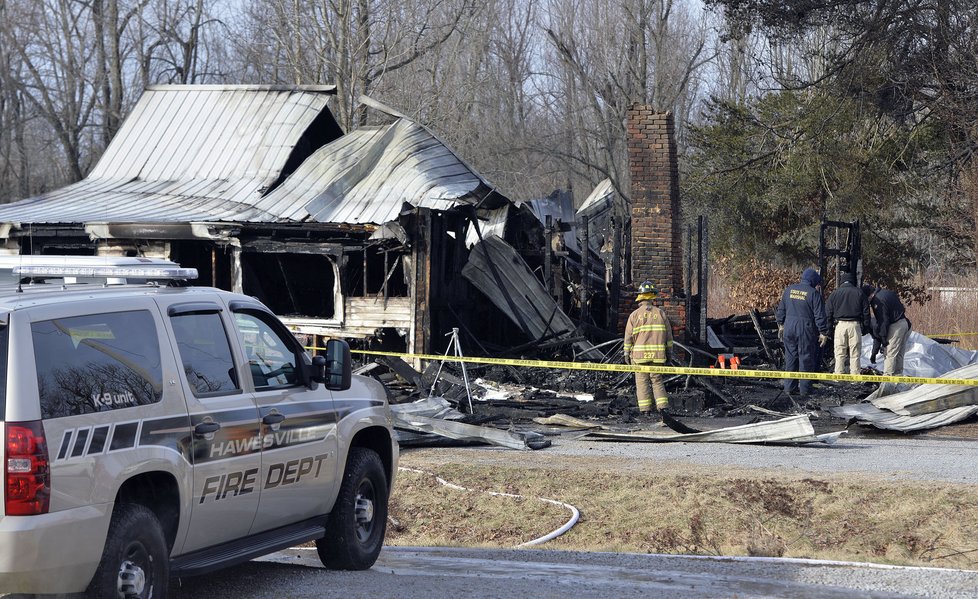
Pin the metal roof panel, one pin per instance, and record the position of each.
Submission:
(187, 153)
(368, 175)
(192, 153)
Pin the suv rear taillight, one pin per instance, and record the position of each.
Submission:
(27, 473)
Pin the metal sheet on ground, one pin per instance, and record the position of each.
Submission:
(927, 399)
(794, 429)
(459, 430)
(867, 413)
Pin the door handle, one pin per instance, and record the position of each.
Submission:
(206, 428)
(273, 418)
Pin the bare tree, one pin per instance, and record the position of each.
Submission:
(55, 46)
(73, 68)
(351, 43)
(609, 55)
(15, 176)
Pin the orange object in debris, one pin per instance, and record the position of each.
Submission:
(734, 362)
(723, 361)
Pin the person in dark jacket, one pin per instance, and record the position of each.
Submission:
(847, 311)
(802, 327)
(890, 328)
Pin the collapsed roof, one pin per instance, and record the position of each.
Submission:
(257, 154)
(369, 174)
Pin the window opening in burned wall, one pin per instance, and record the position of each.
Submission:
(376, 271)
(291, 284)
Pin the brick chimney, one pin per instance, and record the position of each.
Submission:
(656, 220)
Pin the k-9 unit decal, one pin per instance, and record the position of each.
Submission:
(243, 482)
(108, 399)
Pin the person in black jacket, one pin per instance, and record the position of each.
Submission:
(802, 327)
(848, 313)
(890, 328)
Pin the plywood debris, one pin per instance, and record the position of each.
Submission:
(570, 421)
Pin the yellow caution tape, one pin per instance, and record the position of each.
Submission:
(950, 334)
(682, 370)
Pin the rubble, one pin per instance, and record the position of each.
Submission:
(557, 404)
(918, 408)
(601, 404)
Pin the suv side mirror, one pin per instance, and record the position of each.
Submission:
(334, 369)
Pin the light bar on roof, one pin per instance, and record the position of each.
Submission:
(139, 272)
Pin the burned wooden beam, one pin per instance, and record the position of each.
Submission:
(760, 335)
(403, 370)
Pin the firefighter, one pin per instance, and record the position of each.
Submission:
(803, 328)
(648, 340)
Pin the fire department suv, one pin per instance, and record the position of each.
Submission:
(152, 432)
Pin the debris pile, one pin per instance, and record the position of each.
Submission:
(520, 407)
(919, 408)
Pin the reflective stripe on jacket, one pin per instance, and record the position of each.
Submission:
(648, 335)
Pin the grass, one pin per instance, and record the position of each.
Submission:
(699, 511)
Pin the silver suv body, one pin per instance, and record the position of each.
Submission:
(152, 432)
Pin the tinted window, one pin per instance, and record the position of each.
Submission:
(271, 358)
(205, 353)
(95, 363)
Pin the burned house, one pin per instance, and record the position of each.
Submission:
(362, 235)
(579, 280)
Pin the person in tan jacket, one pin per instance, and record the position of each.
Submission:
(648, 340)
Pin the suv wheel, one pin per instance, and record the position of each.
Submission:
(355, 531)
(135, 563)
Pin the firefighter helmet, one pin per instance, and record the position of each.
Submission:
(646, 288)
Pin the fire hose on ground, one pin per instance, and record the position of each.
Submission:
(575, 513)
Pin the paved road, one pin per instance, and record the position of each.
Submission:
(893, 457)
(897, 457)
(449, 573)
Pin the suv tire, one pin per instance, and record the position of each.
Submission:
(135, 561)
(356, 526)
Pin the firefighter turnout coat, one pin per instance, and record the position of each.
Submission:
(648, 335)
